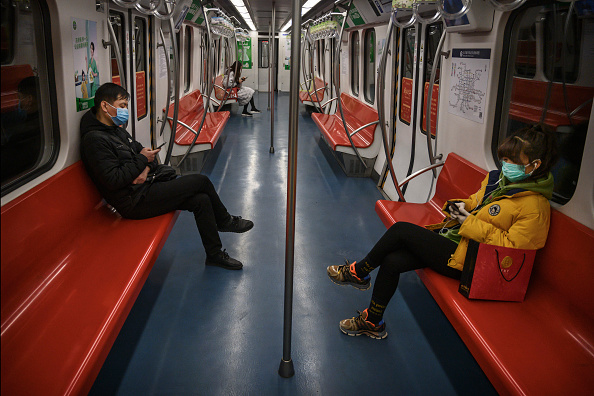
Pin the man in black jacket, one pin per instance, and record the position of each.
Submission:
(123, 171)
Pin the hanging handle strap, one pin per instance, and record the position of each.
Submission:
(501, 272)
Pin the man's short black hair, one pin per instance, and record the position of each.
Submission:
(110, 92)
(28, 86)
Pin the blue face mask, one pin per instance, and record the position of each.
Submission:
(121, 117)
(514, 172)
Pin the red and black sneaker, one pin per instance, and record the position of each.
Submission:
(360, 325)
(346, 275)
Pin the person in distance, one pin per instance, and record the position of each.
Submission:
(131, 180)
(510, 209)
(245, 95)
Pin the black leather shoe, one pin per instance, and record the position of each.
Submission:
(237, 224)
(255, 111)
(223, 260)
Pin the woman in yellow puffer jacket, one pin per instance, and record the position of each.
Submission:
(510, 209)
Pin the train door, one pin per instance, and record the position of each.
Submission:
(418, 44)
(133, 33)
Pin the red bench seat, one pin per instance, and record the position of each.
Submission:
(528, 97)
(356, 114)
(71, 271)
(191, 111)
(544, 345)
(316, 94)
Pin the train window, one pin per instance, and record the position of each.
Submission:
(432, 37)
(263, 51)
(406, 79)
(355, 63)
(319, 54)
(188, 58)
(532, 94)
(140, 38)
(117, 22)
(369, 66)
(30, 136)
(8, 30)
(560, 54)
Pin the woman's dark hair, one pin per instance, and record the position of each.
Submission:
(92, 46)
(110, 92)
(537, 143)
(236, 69)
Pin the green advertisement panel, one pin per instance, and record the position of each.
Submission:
(195, 11)
(244, 53)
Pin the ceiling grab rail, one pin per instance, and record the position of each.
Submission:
(168, 11)
(506, 6)
(149, 11)
(425, 6)
(209, 79)
(403, 7)
(381, 107)
(127, 4)
(336, 82)
(454, 15)
(175, 73)
(116, 48)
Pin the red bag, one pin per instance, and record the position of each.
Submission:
(495, 272)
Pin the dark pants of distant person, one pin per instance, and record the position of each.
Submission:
(195, 193)
(405, 247)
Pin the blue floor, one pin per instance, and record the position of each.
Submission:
(197, 330)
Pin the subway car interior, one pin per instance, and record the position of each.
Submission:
(352, 127)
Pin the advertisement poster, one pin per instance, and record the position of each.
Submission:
(244, 51)
(287, 60)
(140, 94)
(406, 101)
(434, 103)
(86, 73)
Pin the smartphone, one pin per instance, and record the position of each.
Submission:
(453, 208)
(161, 145)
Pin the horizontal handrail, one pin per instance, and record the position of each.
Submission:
(328, 101)
(420, 172)
(184, 125)
(363, 127)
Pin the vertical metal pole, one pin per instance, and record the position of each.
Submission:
(286, 368)
(269, 91)
(272, 78)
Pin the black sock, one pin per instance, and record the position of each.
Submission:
(375, 312)
(363, 268)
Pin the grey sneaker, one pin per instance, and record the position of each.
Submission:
(359, 325)
(345, 275)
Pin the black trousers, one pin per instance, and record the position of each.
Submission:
(195, 193)
(406, 247)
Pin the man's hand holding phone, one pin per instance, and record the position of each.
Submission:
(150, 154)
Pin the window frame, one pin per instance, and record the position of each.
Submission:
(52, 112)
(369, 68)
(505, 88)
(354, 62)
(189, 32)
